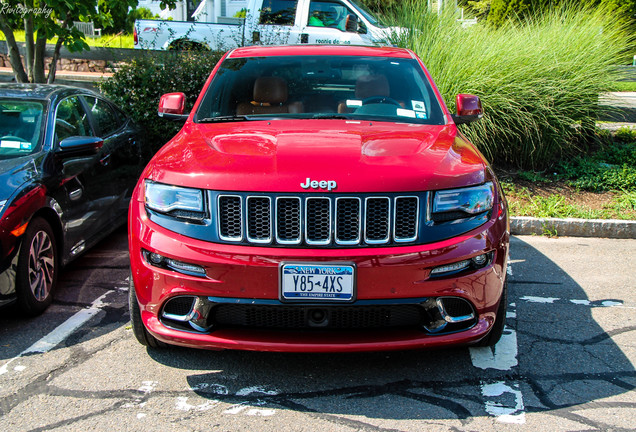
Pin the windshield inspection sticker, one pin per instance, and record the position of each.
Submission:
(420, 109)
(10, 144)
(405, 113)
(418, 106)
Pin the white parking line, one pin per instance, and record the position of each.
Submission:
(579, 302)
(503, 356)
(60, 333)
(504, 411)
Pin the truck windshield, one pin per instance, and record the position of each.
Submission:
(366, 13)
(349, 87)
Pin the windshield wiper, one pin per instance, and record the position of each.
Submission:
(332, 117)
(228, 118)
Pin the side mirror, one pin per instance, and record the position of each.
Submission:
(80, 145)
(171, 106)
(468, 109)
(351, 24)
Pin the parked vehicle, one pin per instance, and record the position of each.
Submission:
(318, 198)
(268, 22)
(69, 160)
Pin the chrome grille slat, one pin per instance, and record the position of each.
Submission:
(405, 218)
(348, 222)
(377, 222)
(230, 218)
(288, 220)
(310, 220)
(259, 219)
(318, 221)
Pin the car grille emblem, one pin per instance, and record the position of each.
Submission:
(322, 184)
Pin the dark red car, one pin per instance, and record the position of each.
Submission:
(318, 198)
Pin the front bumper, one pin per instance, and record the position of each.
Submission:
(250, 276)
(8, 270)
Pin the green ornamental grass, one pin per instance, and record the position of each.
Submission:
(539, 81)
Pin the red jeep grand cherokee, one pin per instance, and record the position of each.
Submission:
(318, 198)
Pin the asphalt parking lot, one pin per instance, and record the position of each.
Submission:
(566, 361)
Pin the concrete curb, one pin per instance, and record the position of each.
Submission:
(606, 228)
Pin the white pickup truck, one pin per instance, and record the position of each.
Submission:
(267, 22)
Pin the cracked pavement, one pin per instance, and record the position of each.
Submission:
(566, 361)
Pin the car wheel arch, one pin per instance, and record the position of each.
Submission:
(52, 217)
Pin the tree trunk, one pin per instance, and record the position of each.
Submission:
(14, 52)
(53, 66)
(56, 53)
(38, 63)
(28, 42)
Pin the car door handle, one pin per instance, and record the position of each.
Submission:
(105, 160)
(75, 195)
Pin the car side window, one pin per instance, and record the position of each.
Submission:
(328, 13)
(71, 119)
(106, 119)
(280, 12)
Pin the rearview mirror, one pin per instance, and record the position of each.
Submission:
(172, 105)
(469, 108)
(351, 24)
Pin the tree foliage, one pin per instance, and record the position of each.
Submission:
(500, 11)
(117, 16)
(146, 78)
(381, 6)
(44, 20)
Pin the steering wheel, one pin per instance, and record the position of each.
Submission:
(380, 100)
(13, 138)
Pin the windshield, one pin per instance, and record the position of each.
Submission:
(20, 127)
(349, 87)
(366, 13)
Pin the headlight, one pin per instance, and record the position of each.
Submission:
(470, 200)
(178, 201)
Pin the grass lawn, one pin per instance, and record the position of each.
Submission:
(625, 86)
(106, 41)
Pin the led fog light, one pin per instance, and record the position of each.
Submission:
(186, 268)
(474, 263)
(480, 260)
(454, 267)
(155, 258)
(160, 261)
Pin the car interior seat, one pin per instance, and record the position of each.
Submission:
(368, 86)
(270, 97)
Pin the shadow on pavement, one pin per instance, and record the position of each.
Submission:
(565, 359)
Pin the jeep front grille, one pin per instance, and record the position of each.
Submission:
(318, 220)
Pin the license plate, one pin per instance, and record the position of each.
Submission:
(317, 282)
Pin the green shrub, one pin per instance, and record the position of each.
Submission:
(612, 167)
(138, 86)
(539, 81)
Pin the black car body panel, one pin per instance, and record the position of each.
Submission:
(82, 192)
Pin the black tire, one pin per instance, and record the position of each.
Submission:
(38, 264)
(138, 328)
(500, 322)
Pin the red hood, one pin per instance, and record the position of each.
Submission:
(278, 156)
